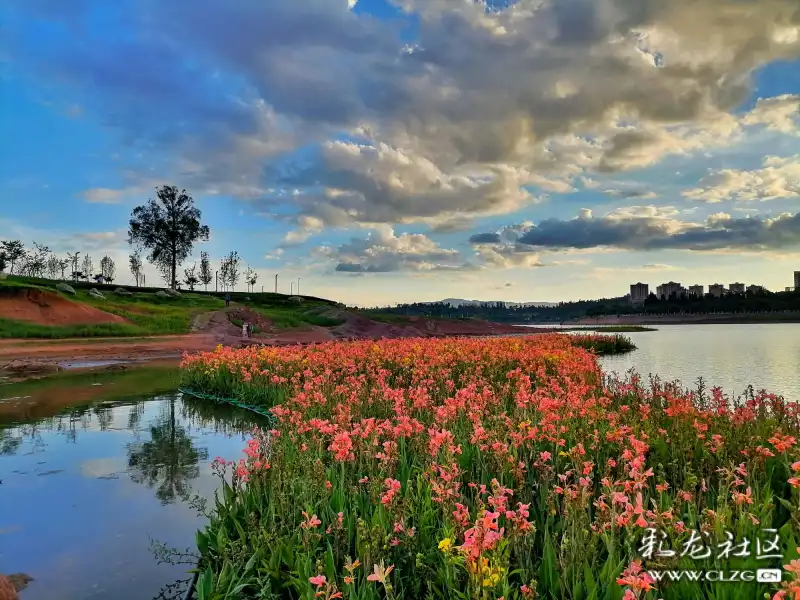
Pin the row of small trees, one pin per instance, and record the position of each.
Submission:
(40, 261)
(228, 275)
(167, 228)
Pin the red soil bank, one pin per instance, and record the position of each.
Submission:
(47, 308)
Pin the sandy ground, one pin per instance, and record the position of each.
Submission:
(20, 359)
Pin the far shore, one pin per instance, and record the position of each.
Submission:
(721, 319)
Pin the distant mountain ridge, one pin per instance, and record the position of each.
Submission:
(458, 302)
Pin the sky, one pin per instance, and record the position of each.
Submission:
(389, 151)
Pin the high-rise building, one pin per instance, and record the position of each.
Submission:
(756, 289)
(736, 288)
(698, 291)
(797, 280)
(639, 293)
(665, 290)
(717, 290)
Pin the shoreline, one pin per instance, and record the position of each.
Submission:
(711, 319)
(27, 359)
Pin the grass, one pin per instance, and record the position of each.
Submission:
(147, 314)
(604, 344)
(10, 328)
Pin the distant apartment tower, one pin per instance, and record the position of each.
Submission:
(698, 291)
(717, 290)
(665, 290)
(797, 280)
(756, 289)
(639, 293)
(736, 288)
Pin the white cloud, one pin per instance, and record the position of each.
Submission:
(778, 178)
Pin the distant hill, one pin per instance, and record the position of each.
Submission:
(459, 302)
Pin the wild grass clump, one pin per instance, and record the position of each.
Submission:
(494, 468)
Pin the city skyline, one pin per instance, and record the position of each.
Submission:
(640, 291)
(386, 151)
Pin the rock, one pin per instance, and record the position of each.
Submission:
(67, 289)
(95, 294)
(29, 368)
(296, 299)
(122, 292)
(173, 293)
(247, 299)
(161, 294)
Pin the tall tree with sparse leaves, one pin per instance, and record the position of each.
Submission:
(135, 265)
(108, 269)
(14, 250)
(233, 272)
(168, 227)
(206, 275)
(73, 258)
(87, 267)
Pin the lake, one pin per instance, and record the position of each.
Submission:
(85, 489)
(766, 356)
(95, 467)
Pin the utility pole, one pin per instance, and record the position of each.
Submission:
(276, 283)
(298, 286)
(216, 281)
(291, 288)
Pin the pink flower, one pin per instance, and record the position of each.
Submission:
(318, 581)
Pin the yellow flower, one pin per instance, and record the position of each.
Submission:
(445, 544)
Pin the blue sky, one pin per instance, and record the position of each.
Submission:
(386, 151)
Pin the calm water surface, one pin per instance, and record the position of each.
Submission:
(766, 356)
(85, 490)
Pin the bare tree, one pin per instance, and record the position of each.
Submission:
(63, 264)
(3, 260)
(206, 276)
(87, 267)
(53, 267)
(14, 250)
(73, 257)
(191, 276)
(135, 265)
(108, 270)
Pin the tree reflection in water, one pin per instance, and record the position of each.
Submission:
(169, 460)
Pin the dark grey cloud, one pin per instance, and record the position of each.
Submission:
(719, 232)
(485, 238)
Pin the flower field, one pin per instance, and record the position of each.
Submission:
(496, 468)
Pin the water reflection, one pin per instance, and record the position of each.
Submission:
(168, 460)
(85, 490)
